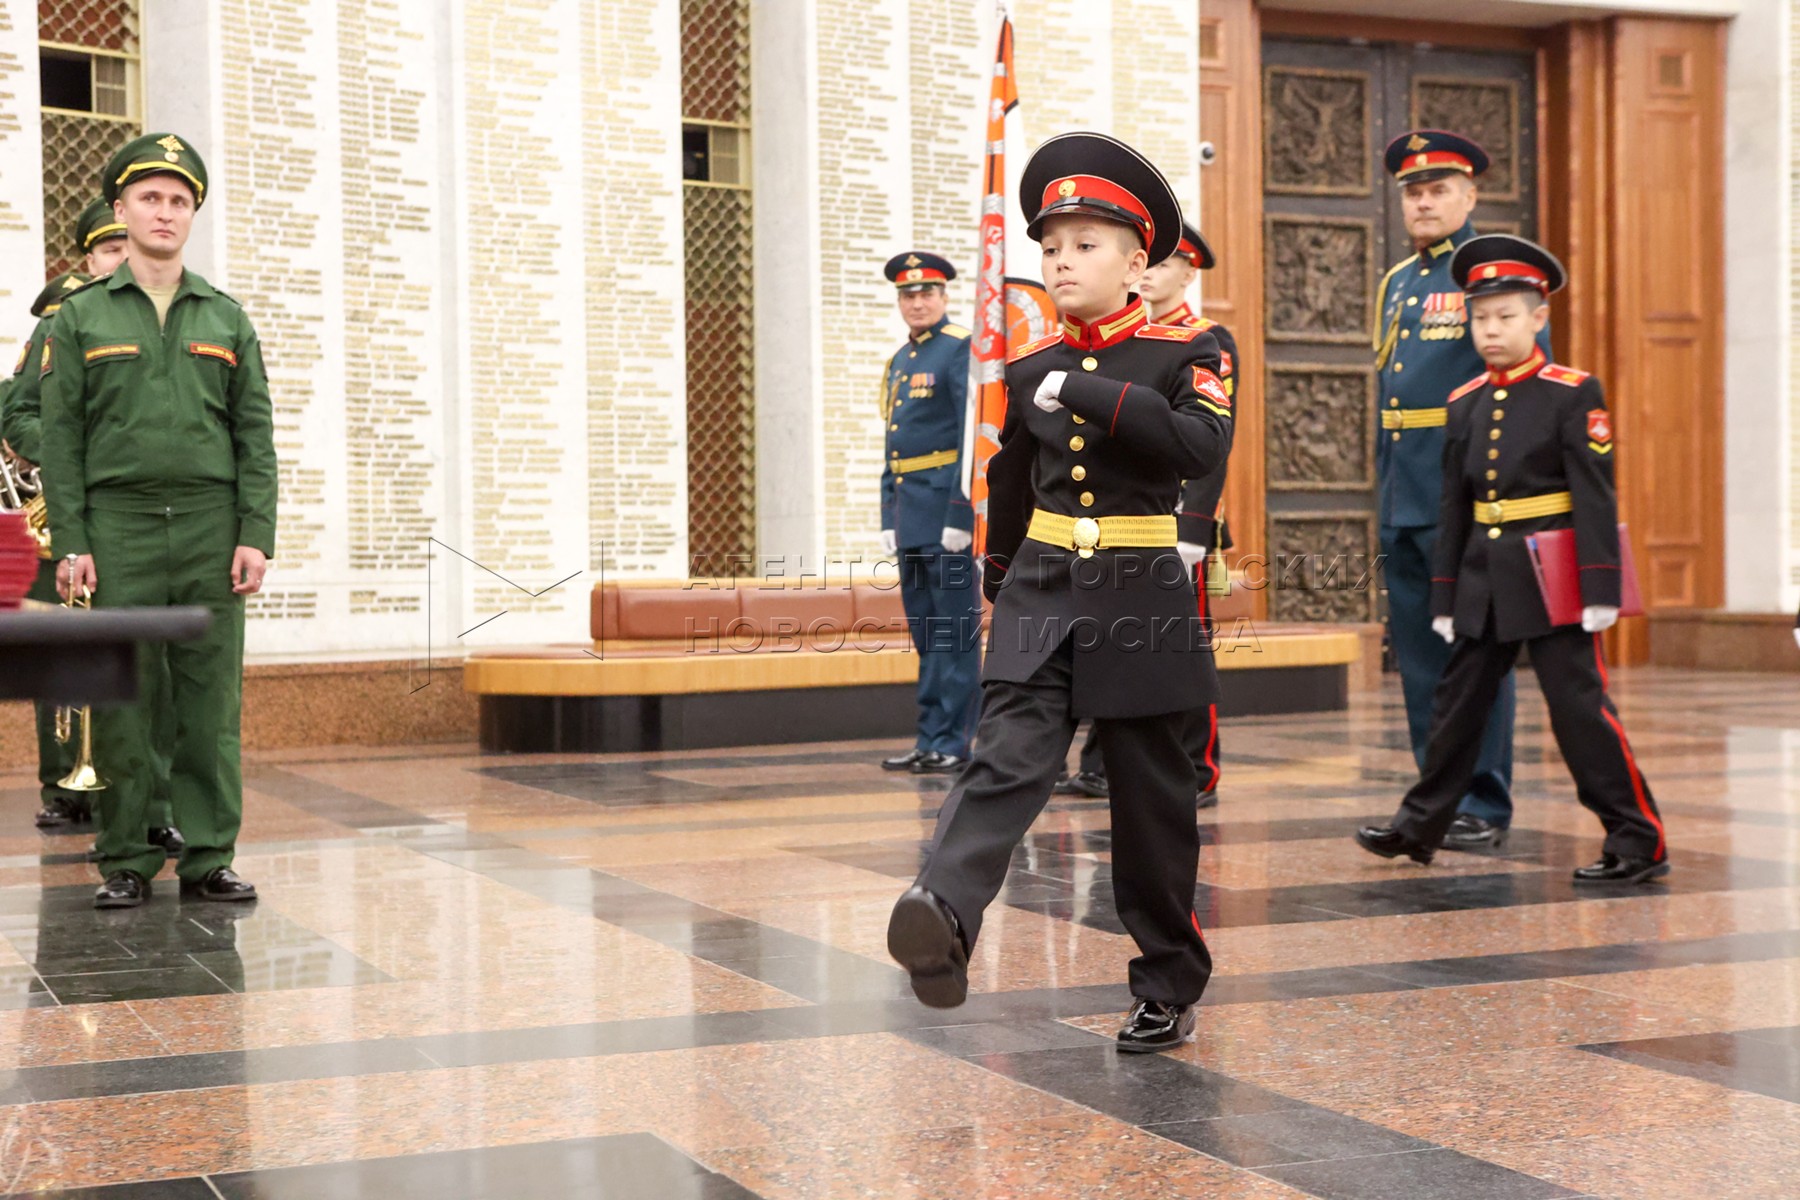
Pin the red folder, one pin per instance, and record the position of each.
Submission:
(1559, 575)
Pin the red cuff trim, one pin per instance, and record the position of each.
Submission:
(1116, 408)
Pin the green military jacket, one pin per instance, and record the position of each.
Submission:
(147, 420)
(19, 401)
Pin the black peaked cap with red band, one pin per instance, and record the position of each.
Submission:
(1193, 247)
(917, 269)
(1100, 176)
(1499, 262)
(1421, 155)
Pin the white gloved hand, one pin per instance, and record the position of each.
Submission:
(888, 542)
(956, 540)
(1049, 390)
(1444, 627)
(1797, 636)
(1598, 618)
(1191, 553)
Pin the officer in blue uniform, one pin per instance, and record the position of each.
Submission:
(1422, 354)
(925, 518)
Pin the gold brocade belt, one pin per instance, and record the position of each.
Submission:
(1413, 418)
(1497, 512)
(1084, 535)
(921, 462)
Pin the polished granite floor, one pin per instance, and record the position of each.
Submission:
(663, 978)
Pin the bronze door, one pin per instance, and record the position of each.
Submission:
(1332, 227)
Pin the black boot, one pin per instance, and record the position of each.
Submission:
(1388, 842)
(1153, 1025)
(169, 838)
(1474, 833)
(220, 883)
(122, 889)
(925, 938)
(1613, 869)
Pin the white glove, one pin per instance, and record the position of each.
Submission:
(1049, 390)
(1191, 553)
(888, 542)
(1444, 627)
(1597, 618)
(956, 540)
(1797, 636)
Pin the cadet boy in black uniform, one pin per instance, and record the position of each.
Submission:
(1094, 613)
(1529, 448)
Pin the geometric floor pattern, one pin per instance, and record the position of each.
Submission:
(658, 977)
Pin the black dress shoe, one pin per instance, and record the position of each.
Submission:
(903, 762)
(220, 883)
(1207, 799)
(924, 937)
(122, 889)
(1613, 869)
(1388, 842)
(169, 838)
(1474, 833)
(1083, 783)
(64, 809)
(1153, 1025)
(938, 763)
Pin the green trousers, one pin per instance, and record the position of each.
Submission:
(154, 560)
(56, 758)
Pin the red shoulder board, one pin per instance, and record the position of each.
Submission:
(1468, 387)
(1030, 348)
(1567, 376)
(1201, 323)
(1167, 333)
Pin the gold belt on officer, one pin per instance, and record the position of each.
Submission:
(1413, 418)
(921, 462)
(1498, 512)
(1084, 535)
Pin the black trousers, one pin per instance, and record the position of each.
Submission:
(1021, 742)
(1199, 734)
(1571, 671)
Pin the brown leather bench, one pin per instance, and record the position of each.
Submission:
(675, 664)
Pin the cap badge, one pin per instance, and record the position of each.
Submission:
(1416, 143)
(912, 260)
(173, 146)
(914, 274)
(1489, 272)
(1066, 188)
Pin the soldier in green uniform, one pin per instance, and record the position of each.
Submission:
(159, 466)
(100, 240)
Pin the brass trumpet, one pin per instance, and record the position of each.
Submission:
(82, 777)
(23, 491)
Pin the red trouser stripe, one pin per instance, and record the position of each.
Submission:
(1212, 744)
(1631, 767)
(1195, 917)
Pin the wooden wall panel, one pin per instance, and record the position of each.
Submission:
(1231, 217)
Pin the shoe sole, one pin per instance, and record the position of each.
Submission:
(1496, 842)
(138, 903)
(1422, 857)
(239, 898)
(1655, 871)
(1207, 800)
(921, 940)
(1146, 1048)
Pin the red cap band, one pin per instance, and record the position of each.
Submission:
(1434, 160)
(1510, 269)
(1189, 251)
(1090, 187)
(913, 275)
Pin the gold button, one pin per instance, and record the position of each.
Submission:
(1494, 532)
(1089, 363)
(1493, 435)
(899, 404)
(1393, 402)
(1399, 366)
(912, 354)
(1087, 499)
(893, 428)
(1077, 442)
(1499, 414)
(1411, 300)
(1424, 270)
(1406, 333)
(1078, 473)
(1500, 394)
(1493, 475)
(1078, 420)
(1395, 435)
(1492, 494)
(1493, 454)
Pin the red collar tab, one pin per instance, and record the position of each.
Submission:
(1507, 268)
(1181, 314)
(1434, 160)
(1070, 191)
(1107, 331)
(1512, 375)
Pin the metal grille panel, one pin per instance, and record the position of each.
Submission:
(75, 151)
(715, 60)
(96, 24)
(721, 382)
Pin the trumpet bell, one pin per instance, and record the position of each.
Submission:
(83, 778)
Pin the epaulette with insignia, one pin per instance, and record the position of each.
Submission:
(1468, 387)
(1567, 376)
(1030, 348)
(1167, 333)
(955, 331)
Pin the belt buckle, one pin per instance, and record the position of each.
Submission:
(1087, 536)
(1496, 512)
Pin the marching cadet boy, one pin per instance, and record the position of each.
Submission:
(1529, 448)
(926, 521)
(1094, 614)
(1200, 530)
(160, 472)
(100, 240)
